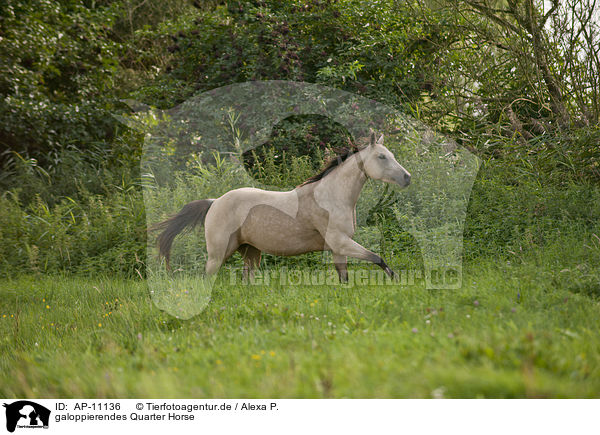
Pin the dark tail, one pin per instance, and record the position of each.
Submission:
(191, 214)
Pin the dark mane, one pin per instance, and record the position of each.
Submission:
(342, 155)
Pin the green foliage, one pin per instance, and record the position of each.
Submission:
(443, 62)
(65, 65)
(56, 77)
(279, 169)
(295, 150)
(102, 229)
(509, 214)
(375, 49)
(97, 234)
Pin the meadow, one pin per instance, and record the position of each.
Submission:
(519, 328)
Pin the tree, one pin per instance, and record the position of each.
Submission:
(531, 64)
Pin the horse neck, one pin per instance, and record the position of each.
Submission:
(347, 180)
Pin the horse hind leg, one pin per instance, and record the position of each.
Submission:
(219, 248)
(341, 265)
(251, 257)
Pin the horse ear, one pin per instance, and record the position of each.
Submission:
(372, 139)
(380, 140)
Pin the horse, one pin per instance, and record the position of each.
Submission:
(318, 215)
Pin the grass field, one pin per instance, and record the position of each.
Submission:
(526, 328)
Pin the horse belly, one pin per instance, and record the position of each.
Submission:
(275, 232)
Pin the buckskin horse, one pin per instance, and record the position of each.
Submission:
(318, 215)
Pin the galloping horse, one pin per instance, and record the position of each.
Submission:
(318, 215)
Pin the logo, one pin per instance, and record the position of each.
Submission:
(26, 414)
(234, 120)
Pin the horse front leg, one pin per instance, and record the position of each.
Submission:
(342, 245)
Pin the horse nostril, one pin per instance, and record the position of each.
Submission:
(407, 178)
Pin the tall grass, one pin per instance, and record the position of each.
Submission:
(88, 217)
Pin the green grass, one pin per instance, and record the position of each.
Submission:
(515, 329)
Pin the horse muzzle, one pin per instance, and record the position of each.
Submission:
(402, 180)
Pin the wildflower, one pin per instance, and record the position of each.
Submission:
(47, 307)
(476, 303)
(438, 393)
(272, 353)
(99, 325)
(255, 357)
(415, 330)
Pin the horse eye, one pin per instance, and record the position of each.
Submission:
(382, 156)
